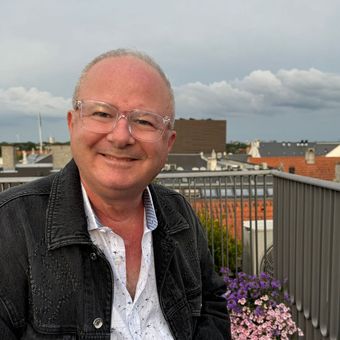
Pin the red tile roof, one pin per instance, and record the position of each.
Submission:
(323, 168)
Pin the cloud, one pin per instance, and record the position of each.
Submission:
(262, 92)
(294, 103)
(213, 100)
(31, 101)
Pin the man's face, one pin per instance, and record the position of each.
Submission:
(116, 161)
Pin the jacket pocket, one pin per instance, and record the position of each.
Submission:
(194, 298)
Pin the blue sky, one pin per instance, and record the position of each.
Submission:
(270, 68)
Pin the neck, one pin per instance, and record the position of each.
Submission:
(122, 214)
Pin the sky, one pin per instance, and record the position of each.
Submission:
(270, 68)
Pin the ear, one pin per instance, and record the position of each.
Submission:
(70, 120)
(171, 139)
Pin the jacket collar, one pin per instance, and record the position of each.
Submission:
(65, 217)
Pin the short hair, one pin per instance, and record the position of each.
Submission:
(124, 52)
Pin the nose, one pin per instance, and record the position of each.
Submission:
(120, 135)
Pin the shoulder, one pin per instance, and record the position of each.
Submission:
(165, 192)
(165, 196)
(39, 187)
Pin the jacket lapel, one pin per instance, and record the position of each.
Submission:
(170, 222)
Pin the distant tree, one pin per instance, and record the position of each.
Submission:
(26, 146)
(236, 148)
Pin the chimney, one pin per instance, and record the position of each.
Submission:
(61, 155)
(212, 161)
(337, 172)
(8, 157)
(310, 156)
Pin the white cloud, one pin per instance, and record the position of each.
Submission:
(31, 101)
(215, 99)
(261, 92)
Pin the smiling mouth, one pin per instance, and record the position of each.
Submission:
(119, 159)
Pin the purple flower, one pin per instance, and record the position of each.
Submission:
(286, 297)
(256, 305)
(276, 284)
(258, 311)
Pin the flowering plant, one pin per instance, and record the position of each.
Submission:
(257, 306)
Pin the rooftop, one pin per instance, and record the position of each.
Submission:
(288, 148)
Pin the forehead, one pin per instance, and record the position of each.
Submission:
(127, 77)
(122, 66)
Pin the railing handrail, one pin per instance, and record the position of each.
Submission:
(195, 174)
(302, 179)
(17, 179)
(307, 180)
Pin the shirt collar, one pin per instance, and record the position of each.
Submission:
(150, 218)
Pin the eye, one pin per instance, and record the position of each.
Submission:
(101, 114)
(145, 120)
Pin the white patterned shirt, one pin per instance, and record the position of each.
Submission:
(141, 317)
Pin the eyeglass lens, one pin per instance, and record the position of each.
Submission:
(102, 118)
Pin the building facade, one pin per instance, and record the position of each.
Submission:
(200, 135)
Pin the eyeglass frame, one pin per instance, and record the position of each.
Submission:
(167, 121)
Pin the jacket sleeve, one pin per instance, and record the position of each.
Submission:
(214, 322)
(13, 273)
(6, 332)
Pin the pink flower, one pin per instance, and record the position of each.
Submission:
(242, 301)
(265, 298)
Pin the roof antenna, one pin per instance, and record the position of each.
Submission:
(40, 134)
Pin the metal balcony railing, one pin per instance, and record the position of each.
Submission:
(235, 208)
(284, 224)
(307, 251)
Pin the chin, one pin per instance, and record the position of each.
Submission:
(119, 183)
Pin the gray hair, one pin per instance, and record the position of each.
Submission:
(123, 52)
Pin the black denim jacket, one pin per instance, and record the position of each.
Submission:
(55, 284)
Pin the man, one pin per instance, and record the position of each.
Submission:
(96, 251)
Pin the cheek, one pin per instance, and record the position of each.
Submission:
(156, 150)
(161, 153)
(85, 138)
(81, 144)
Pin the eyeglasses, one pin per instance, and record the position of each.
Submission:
(102, 117)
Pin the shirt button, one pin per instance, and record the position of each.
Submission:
(98, 323)
(93, 256)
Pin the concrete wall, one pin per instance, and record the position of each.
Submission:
(61, 155)
(8, 157)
